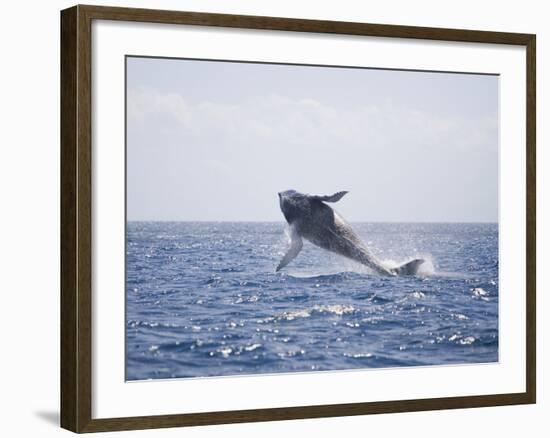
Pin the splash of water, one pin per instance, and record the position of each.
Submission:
(426, 269)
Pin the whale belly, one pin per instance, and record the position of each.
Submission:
(338, 237)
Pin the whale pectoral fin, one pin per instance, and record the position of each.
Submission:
(330, 198)
(409, 268)
(295, 247)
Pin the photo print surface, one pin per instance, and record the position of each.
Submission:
(294, 218)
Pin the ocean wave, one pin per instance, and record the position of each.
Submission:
(197, 307)
(334, 309)
(315, 276)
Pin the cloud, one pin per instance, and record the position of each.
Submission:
(307, 122)
(394, 158)
(144, 102)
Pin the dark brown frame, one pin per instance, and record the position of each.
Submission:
(76, 218)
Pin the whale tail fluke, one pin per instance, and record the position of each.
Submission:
(409, 268)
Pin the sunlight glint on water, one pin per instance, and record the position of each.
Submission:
(203, 299)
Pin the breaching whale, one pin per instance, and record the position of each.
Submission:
(309, 217)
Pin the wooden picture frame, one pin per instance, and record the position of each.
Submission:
(76, 217)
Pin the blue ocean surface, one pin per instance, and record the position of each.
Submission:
(203, 299)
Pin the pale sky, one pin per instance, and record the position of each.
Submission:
(216, 141)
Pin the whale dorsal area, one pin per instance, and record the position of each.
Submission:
(329, 198)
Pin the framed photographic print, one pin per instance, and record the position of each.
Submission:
(271, 218)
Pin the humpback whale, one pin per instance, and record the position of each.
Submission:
(310, 218)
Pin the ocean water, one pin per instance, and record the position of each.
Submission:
(203, 299)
